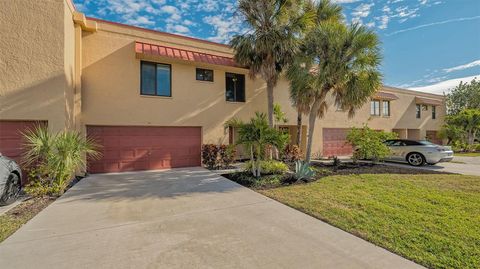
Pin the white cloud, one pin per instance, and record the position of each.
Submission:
(177, 28)
(444, 86)
(462, 67)
(209, 5)
(432, 24)
(345, 1)
(383, 22)
(140, 21)
(362, 11)
(224, 27)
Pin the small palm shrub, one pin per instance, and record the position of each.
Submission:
(53, 159)
(269, 167)
(303, 171)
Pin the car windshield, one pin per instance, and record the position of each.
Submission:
(425, 142)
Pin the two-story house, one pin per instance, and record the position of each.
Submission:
(152, 98)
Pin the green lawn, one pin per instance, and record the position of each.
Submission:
(467, 154)
(433, 220)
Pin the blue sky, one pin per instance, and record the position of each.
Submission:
(428, 45)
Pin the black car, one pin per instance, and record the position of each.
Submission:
(10, 180)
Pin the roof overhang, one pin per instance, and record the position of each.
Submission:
(87, 25)
(148, 51)
(428, 101)
(385, 96)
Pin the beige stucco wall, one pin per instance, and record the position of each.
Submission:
(111, 92)
(36, 61)
(52, 70)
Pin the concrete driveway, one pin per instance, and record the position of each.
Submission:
(181, 218)
(459, 165)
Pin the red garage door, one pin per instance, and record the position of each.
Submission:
(335, 143)
(11, 139)
(131, 148)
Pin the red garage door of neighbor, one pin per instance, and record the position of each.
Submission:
(11, 139)
(335, 142)
(133, 148)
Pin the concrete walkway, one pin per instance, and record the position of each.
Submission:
(181, 218)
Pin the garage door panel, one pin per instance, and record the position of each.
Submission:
(144, 148)
(335, 142)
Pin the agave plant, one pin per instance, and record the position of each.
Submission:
(57, 157)
(303, 171)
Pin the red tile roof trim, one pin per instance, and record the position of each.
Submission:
(386, 96)
(182, 54)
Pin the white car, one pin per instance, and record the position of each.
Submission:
(417, 153)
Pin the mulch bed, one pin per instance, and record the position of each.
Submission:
(13, 219)
(265, 182)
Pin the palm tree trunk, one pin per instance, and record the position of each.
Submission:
(270, 103)
(299, 129)
(311, 127)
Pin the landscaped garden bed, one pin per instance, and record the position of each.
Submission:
(322, 169)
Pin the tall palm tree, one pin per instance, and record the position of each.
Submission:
(301, 98)
(272, 40)
(339, 60)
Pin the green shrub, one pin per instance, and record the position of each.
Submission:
(226, 155)
(53, 159)
(368, 143)
(269, 167)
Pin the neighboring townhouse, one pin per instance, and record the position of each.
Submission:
(151, 98)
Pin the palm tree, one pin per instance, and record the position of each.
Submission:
(339, 60)
(301, 99)
(272, 40)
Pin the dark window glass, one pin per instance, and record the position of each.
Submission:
(386, 108)
(375, 108)
(155, 79)
(434, 112)
(235, 87)
(411, 143)
(418, 111)
(148, 78)
(204, 74)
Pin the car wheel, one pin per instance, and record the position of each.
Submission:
(415, 159)
(11, 191)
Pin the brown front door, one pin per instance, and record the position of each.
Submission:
(132, 148)
(335, 142)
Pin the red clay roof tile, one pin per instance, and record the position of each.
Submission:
(186, 55)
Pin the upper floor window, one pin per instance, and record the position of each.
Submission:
(418, 111)
(386, 108)
(434, 112)
(235, 87)
(375, 108)
(155, 79)
(204, 74)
